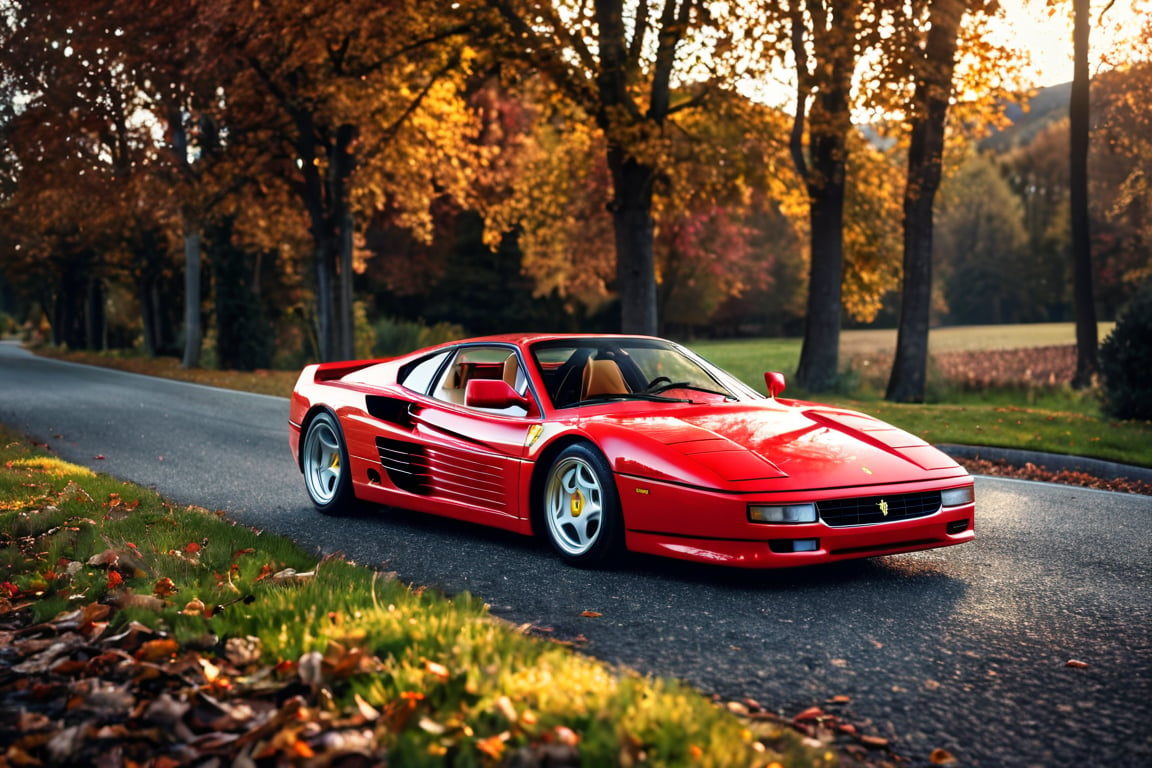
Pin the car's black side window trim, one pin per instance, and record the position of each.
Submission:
(406, 370)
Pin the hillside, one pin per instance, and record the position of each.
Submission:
(1047, 106)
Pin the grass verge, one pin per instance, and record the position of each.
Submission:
(178, 611)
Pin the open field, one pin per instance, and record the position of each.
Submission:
(968, 338)
(749, 358)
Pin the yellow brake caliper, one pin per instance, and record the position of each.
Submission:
(577, 503)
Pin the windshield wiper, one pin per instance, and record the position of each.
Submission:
(725, 395)
(606, 397)
(693, 387)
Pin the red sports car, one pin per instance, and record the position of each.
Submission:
(609, 442)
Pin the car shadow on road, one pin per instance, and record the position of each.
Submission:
(892, 570)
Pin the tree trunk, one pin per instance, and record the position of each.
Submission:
(1079, 110)
(828, 127)
(631, 204)
(94, 324)
(244, 339)
(331, 226)
(635, 263)
(312, 195)
(820, 353)
(907, 382)
(823, 170)
(193, 331)
(342, 164)
(148, 317)
(67, 310)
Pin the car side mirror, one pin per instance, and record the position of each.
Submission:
(775, 383)
(492, 393)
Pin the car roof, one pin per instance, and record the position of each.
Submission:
(525, 339)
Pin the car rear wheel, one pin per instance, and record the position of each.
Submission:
(581, 506)
(324, 460)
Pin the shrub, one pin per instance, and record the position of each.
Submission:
(397, 337)
(1126, 360)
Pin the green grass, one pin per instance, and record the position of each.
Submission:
(456, 685)
(1028, 428)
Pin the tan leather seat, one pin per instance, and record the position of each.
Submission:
(602, 377)
(510, 370)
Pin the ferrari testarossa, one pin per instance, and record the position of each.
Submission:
(608, 442)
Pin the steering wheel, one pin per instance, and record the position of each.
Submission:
(656, 387)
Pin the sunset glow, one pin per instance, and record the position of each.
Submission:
(1118, 36)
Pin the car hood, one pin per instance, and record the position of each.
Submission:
(741, 445)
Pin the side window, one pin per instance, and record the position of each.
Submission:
(418, 376)
(481, 362)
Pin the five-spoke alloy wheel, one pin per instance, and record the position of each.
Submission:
(324, 459)
(581, 506)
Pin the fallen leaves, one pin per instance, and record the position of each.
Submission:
(1029, 471)
(941, 757)
(164, 587)
(243, 652)
(822, 727)
(195, 607)
(89, 698)
(157, 650)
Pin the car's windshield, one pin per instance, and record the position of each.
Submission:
(584, 370)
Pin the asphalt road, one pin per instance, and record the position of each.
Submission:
(964, 649)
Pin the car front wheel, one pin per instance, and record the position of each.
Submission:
(324, 460)
(581, 506)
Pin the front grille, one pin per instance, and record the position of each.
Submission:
(870, 510)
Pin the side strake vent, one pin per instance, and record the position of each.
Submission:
(456, 475)
(878, 509)
(406, 465)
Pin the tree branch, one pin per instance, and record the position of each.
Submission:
(547, 59)
(701, 96)
(796, 136)
(639, 32)
(673, 21)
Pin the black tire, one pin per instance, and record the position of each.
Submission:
(581, 507)
(324, 461)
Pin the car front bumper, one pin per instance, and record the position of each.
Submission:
(712, 527)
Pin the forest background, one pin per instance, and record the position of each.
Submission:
(248, 184)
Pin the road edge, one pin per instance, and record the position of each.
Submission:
(1109, 470)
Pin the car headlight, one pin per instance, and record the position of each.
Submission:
(956, 497)
(787, 513)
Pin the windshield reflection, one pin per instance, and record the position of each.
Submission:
(595, 370)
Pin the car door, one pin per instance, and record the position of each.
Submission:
(474, 457)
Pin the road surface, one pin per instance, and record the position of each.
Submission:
(963, 649)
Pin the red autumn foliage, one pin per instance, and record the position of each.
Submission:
(1035, 366)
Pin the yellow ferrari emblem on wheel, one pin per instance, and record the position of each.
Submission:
(883, 507)
(577, 504)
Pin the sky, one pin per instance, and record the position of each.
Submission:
(1048, 37)
(1044, 36)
